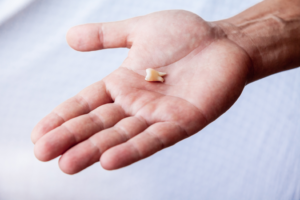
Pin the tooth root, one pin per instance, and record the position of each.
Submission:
(162, 73)
(153, 75)
(161, 79)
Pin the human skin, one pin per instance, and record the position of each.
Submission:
(123, 118)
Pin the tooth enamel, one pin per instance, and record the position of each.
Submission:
(153, 75)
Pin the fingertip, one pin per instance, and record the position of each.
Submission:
(38, 131)
(107, 162)
(117, 157)
(40, 152)
(84, 37)
(72, 37)
(33, 136)
(47, 124)
(66, 166)
(46, 149)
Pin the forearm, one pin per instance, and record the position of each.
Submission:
(270, 34)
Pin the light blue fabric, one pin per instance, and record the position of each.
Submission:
(10, 7)
(252, 152)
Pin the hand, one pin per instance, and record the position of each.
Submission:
(123, 118)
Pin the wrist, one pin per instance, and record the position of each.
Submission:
(270, 34)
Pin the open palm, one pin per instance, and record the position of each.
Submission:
(123, 118)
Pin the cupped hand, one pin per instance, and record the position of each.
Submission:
(123, 118)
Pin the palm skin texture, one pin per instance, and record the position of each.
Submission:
(123, 118)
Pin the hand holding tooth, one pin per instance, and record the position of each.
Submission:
(121, 119)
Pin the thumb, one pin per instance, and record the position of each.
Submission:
(91, 37)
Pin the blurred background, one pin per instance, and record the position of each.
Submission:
(250, 152)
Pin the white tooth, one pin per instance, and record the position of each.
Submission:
(153, 75)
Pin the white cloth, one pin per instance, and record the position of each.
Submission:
(10, 7)
(250, 152)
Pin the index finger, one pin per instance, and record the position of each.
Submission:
(87, 100)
